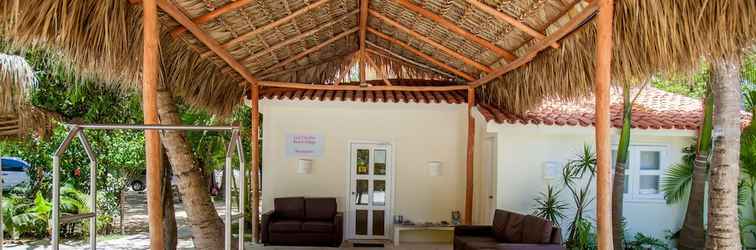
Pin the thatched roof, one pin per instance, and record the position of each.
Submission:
(104, 38)
(17, 117)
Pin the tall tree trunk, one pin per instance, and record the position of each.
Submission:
(169, 212)
(207, 226)
(693, 233)
(618, 184)
(723, 230)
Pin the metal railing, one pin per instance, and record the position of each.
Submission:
(77, 130)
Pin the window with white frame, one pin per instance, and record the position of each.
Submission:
(643, 171)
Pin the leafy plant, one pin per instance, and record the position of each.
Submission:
(549, 206)
(574, 177)
(675, 183)
(642, 242)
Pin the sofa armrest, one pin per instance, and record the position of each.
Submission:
(524, 246)
(338, 223)
(473, 230)
(264, 224)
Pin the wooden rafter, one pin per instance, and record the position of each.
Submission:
(257, 31)
(299, 37)
(427, 40)
(394, 56)
(213, 15)
(293, 85)
(511, 20)
(451, 26)
(310, 50)
(302, 67)
(421, 54)
(363, 34)
(578, 20)
(206, 39)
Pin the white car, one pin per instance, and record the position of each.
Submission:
(14, 172)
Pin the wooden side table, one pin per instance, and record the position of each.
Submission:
(398, 228)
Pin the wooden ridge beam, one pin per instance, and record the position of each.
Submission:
(293, 85)
(576, 22)
(212, 15)
(451, 26)
(392, 55)
(276, 23)
(511, 20)
(421, 54)
(427, 40)
(313, 49)
(299, 37)
(206, 39)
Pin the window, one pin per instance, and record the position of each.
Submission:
(643, 172)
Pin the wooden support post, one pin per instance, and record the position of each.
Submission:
(150, 71)
(255, 159)
(603, 145)
(470, 156)
(363, 34)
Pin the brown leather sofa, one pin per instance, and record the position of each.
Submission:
(299, 221)
(509, 231)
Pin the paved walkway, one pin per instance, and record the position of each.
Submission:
(137, 237)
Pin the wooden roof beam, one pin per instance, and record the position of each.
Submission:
(303, 67)
(311, 50)
(563, 31)
(257, 31)
(421, 54)
(212, 15)
(511, 20)
(293, 85)
(206, 39)
(299, 37)
(427, 40)
(451, 26)
(363, 34)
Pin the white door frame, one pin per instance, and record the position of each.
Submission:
(349, 213)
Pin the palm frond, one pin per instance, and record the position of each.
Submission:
(676, 182)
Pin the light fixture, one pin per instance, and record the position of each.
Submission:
(434, 168)
(551, 170)
(304, 166)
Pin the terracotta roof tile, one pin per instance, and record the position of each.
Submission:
(654, 109)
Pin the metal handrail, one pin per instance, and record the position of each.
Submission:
(77, 130)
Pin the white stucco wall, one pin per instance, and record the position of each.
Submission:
(523, 150)
(418, 133)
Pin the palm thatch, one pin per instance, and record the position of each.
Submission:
(104, 39)
(16, 78)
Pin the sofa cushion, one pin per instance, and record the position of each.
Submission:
(556, 236)
(480, 245)
(289, 208)
(500, 224)
(317, 226)
(462, 242)
(536, 230)
(320, 208)
(513, 230)
(283, 226)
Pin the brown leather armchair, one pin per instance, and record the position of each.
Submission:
(509, 231)
(302, 222)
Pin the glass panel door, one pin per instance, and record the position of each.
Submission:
(369, 187)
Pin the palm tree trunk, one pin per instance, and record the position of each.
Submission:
(723, 230)
(207, 226)
(693, 233)
(169, 211)
(618, 184)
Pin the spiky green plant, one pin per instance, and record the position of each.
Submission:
(549, 207)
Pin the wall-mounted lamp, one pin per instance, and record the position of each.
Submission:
(551, 170)
(304, 166)
(434, 168)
